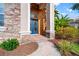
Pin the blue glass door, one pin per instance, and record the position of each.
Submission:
(34, 26)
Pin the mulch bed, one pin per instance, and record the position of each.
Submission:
(22, 50)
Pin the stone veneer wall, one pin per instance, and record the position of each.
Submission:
(12, 20)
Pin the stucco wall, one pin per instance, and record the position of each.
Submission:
(48, 17)
(11, 20)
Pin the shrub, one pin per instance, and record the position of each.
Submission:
(10, 44)
(75, 48)
(67, 48)
(68, 33)
(64, 47)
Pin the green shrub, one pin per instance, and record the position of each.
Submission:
(68, 33)
(75, 48)
(10, 44)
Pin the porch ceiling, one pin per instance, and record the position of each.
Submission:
(38, 7)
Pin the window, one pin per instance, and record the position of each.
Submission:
(1, 14)
(2, 28)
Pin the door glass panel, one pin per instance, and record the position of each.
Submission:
(34, 26)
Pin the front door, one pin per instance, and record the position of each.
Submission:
(34, 26)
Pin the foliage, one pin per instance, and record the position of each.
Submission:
(75, 48)
(64, 47)
(61, 22)
(10, 44)
(56, 13)
(75, 6)
(68, 33)
(67, 48)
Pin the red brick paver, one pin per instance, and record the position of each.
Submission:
(22, 50)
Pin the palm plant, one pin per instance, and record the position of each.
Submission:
(61, 22)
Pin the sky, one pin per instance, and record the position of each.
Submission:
(65, 9)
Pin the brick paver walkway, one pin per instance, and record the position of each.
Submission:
(45, 48)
